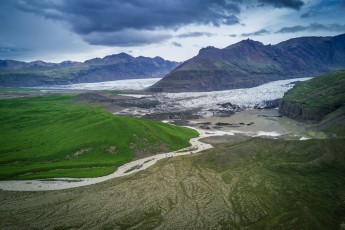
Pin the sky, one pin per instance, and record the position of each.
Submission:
(78, 30)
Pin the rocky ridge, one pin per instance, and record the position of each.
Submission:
(250, 63)
(113, 67)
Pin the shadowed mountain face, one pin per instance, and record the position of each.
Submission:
(250, 63)
(114, 67)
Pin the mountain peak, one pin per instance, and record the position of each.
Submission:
(247, 43)
(119, 55)
(251, 42)
(38, 62)
(207, 49)
(69, 63)
(158, 58)
(250, 63)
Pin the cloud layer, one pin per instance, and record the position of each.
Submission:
(56, 30)
(313, 27)
(294, 4)
(195, 34)
(256, 33)
(137, 22)
(132, 18)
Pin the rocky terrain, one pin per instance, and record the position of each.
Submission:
(112, 67)
(250, 63)
(241, 184)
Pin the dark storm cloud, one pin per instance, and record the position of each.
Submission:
(29, 36)
(98, 22)
(177, 44)
(313, 27)
(292, 29)
(10, 49)
(257, 33)
(125, 38)
(293, 4)
(86, 16)
(195, 34)
(309, 14)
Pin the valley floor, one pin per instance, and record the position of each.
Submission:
(255, 183)
(249, 123)
(124, 170)
(254, 121)
(258, 170)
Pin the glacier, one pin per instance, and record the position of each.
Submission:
(245, 98)
(131, 84)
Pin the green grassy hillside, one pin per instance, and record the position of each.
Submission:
(52, 136)
(321, 99)
(256, 184)
(321, 95)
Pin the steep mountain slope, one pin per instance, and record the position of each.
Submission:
(319, 99)
(113, 67)
(250, 63)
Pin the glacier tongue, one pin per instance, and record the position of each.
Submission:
(241, 98)
(130, 84)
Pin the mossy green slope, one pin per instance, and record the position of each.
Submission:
(279, 184)
(333, 124)
(256, 184)
(321, 95)
(319, 99)
(52, 136)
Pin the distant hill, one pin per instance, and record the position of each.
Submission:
(319, 99)
(113, 67)
(250, 63)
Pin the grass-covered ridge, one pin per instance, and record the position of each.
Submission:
(279, 184)
(46, 137)
(320, 99)
(320, 95)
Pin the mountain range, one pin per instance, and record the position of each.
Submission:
(250, 63)
(113, 67)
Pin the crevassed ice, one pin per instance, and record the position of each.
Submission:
(132, 84)
(244, 98)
